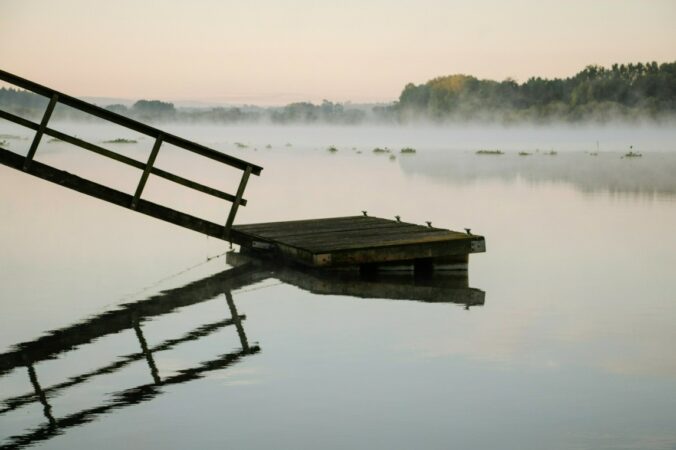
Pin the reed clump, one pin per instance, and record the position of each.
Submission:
(490, 152)
(119, 141)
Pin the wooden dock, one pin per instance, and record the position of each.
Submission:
(360, 242)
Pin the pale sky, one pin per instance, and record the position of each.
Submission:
(276, 51)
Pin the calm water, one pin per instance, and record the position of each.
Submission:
(572, 347)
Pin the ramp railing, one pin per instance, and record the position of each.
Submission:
(135, 202)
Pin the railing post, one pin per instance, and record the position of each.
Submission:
(146, 171)
(38, 134)
(237, 201)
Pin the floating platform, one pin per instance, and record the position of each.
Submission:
(361, 242)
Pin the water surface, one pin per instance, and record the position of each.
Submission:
(571, 346)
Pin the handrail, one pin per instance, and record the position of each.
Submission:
(147, 167)
(127, 122)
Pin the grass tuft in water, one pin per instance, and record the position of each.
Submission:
(381, 150)
(407, 150)
(120, 141)
(9, 136)
(241, 145)
(332, 149)
(490, 152)
(524, 154)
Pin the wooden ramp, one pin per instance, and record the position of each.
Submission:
(360, 241)
(135, 200)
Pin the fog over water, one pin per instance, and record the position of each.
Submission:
(572, 347)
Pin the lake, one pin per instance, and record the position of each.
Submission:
(119, 330)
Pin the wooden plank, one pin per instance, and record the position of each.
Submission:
(386, 242)
(404, 251)
(301, 224)
(331, 229)
(146, 171)
(101, 192)
(361, 236)
(129, 123)
(140, 165)
(121, 158)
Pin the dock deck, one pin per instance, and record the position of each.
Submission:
(360, 241)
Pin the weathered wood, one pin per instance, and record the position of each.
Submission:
(105, 193)
(238, 201)
(332, 230)
(305, 224)
(356, 237)
(357, 241)
(148, 168)
(129, 123)
(121, 158)
(146, 171)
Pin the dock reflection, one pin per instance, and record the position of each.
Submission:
(128, 317)
(131, 316)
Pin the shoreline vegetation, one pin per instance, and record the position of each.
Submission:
(632, 92)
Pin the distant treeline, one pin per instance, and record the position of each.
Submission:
(623, 91)
(629, 92)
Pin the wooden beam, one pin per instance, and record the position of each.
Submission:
(238, 200)
(101, 192)
(146, 171)
(121, 158)
(129, 123)
(41, 129)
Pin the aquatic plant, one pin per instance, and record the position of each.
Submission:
(632, 153)
(4, 143)
(551, 153)
(392, 157)
(120, 141)
(52, 140)
(268, 146)
(524, 154)
(332, 149)
(408, 150)
(490, 152)
(241, 145)
(381, 150)
(9, 136)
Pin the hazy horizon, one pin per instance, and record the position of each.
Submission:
(273, 53)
